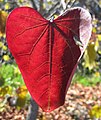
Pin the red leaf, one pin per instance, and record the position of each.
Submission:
(46, 51)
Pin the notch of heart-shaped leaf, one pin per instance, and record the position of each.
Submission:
(47, 52)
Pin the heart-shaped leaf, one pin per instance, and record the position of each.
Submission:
(47, 52)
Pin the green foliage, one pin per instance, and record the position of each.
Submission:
(10, 75)
(85, 80)
(12, 85)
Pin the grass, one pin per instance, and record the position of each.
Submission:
(87, 80)
(11, 76)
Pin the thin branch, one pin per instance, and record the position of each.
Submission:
(33, 4)
(63, 3)
(73, 2)
(41, 6)
(51, 11)
(97, 3)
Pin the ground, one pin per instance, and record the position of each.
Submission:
(79, 101)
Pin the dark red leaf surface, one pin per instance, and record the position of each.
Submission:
(47, 52)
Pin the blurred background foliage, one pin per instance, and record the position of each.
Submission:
(88, 73)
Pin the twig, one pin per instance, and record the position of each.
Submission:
(33, 3)
(97, 3)
(41, 6)
(73, 2)
(50, 12)
(63, 3)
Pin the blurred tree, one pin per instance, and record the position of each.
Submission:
(47, 8)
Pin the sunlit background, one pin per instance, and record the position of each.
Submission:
(83, 100)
